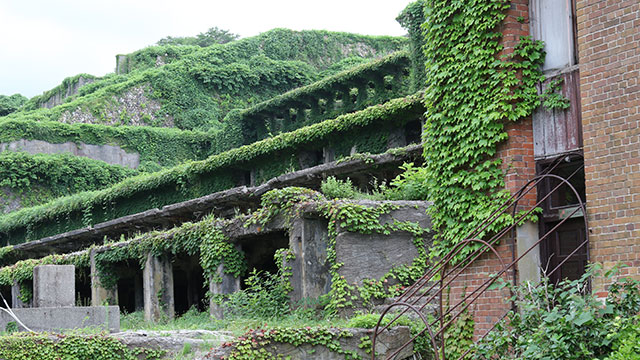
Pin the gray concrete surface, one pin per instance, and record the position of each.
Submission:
(65, 318)
(54, 285)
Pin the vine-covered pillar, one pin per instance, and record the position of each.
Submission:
(157, 283)
(99, 294)
(347, 103)
(363, 94)
(221, 284)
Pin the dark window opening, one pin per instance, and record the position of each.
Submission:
(562, 196)
(130, 290)
(189, 286)
(259, 251)
(83, 286)
(413, 132)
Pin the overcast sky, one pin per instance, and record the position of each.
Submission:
(44, 41)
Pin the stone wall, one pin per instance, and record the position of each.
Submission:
(133, 107)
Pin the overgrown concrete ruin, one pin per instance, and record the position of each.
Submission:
(141, 245)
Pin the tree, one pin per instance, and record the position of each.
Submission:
(212, 36)
(9, 104)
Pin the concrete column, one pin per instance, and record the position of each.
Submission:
(529, 266)
(99, 295)
(54, 285)
(15, 297)
(228, 285)
(157, 282)
(310, 270)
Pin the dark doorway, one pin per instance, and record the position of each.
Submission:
(560, 245)
(562, 219)
(130, 290)
(83, 286)
(188, 284)
(260, 250)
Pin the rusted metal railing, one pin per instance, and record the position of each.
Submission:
(432, 285)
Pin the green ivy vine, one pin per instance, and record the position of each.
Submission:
(43, 346)
(472, 93)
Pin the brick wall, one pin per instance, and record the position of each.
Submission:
(519, 166)
(609, 56)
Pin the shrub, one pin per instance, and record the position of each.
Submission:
(563, 321)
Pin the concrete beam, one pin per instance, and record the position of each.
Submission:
(157, 283)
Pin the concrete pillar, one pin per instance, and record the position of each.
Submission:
(99, 295)
(529, 266)
(228, 285)
(310, 270)
(15, 297)
(157, 282)
(54, 285)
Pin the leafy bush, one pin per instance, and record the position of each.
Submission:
(627, 347)
(334, 188)
(563, 321)
(264, 297)
(9, 104)
(212, 36)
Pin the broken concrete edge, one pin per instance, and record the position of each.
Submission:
(213, 203)
(106, 318)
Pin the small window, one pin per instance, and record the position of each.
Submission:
(552, 21)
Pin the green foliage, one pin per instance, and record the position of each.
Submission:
(422, 344)
(356, 218)
(265, 296)
(202, 238)
(9, 104)
(470, 97)
(193, 179)
(36, 179)
(627, 344)
(564, 321)
(412, 18)
(323, 90)
(196, 87)
(552, 99)
(333, 188)
(24, 346)
(212, 36)
(22, 271)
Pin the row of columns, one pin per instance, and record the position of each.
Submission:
(158, 288)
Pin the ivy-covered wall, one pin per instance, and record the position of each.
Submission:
(157, 147)
(28, 180)
(197, 89)
(366, 130)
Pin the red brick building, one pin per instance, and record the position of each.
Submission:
(593, 46)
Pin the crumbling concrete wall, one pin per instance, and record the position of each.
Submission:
(110, 154)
